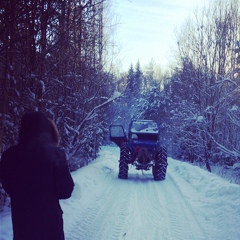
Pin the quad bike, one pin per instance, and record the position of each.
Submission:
(141, 148)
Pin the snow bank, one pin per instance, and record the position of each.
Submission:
(218, 200)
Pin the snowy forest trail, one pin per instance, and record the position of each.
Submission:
(190, 204)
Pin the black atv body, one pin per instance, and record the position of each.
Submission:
(141, 148)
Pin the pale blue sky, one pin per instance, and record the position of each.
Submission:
(147, 28)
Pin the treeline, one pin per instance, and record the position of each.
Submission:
(198, 101)
(204, 90)
(53, 56)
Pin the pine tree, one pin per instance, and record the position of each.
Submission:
(138, 80)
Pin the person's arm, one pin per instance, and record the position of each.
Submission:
(64, 182)
(5, 175)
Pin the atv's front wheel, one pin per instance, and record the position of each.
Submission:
(123, 162)
(160, 168)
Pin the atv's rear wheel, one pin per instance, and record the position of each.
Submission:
(123, 162)
(160, 168)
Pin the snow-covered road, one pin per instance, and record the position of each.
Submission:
(191, 204)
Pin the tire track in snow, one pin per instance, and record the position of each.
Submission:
(146, 209)
(156, 214)
(103, 214)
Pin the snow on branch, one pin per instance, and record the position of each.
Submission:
(228, 80)
(92, 114)
(89, 115)
(224, 149)
(235, 122)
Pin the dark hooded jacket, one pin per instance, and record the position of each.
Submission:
(35, 175)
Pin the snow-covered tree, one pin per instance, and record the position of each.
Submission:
(52, 57)
(204, 87)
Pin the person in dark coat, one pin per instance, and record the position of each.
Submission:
(35, 175)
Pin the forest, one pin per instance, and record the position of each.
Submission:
(58, 57)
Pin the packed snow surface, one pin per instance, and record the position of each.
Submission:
(191, 204)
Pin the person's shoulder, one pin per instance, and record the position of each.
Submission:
(10, 153)
(60, 152)
(11, 150)
(57, 155)
(52, 147)
(54, 151)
